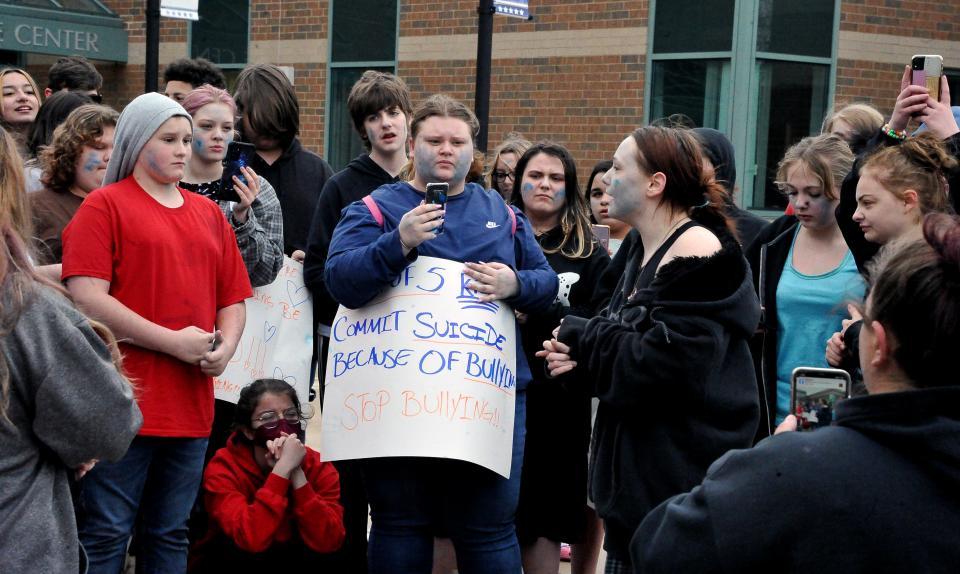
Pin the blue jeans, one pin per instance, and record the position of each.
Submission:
(160, 478)
(414, 499)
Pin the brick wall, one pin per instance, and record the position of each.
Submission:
(577, 94)
(430, 17)
(286, 20)
(585, 103)
(934, 19)
(875, 83)
(898, 22)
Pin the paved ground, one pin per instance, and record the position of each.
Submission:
(313, 440)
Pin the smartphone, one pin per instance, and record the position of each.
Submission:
(814, 393)
(437, 193)
(602, 233)
(927, 70)
(238, 155)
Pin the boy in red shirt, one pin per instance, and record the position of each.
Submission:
(161, 268)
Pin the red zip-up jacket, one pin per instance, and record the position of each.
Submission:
(255, 509)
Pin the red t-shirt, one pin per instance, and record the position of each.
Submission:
(173, 266)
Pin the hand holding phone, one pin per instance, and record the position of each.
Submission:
(437, 195)
(926, 70)
(814, 392)
(239, 155)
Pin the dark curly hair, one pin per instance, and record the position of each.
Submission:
(82, 127)
(196, 72)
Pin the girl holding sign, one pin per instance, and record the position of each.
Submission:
(553, 487)
(411, 499)
(273, 503)
(669, 357)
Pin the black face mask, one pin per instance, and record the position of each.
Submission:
(262, 434)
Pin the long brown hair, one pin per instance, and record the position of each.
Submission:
(18, 282)
(269, 102)
(14, 207)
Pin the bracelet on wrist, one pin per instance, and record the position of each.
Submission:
(895, 134)
(404, 245)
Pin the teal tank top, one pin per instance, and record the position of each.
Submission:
(810, 309)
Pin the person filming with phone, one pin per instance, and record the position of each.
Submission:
(873, 492)
(248, 201)
(377, 238)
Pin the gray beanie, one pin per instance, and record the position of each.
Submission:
(139, 121)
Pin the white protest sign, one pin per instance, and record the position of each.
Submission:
(425, 369)
(277, 340)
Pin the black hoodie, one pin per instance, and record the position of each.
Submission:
(352, 183)
(875, 492)
(718, 149)
(675, 381)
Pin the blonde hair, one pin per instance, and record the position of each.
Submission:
(863, 118)
(918, 163)
(827, 157)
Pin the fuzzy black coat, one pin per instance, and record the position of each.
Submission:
(672, 369)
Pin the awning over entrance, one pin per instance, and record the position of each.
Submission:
(63, 27)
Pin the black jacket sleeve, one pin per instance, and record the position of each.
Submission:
(325, 219)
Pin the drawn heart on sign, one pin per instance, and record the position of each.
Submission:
(297, 296)
(278, 374)
(268, 331)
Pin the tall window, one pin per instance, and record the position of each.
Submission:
(692, 49)
(758, 70)
(221, 34)
(363, 36)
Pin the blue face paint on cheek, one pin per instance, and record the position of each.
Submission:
(91, 162)
(197, 143)
(151, 161)
(527, 187)
(560, 196)
(424, 161)
(463, 165)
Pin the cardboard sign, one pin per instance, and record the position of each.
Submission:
(425, 369)
(277, 340)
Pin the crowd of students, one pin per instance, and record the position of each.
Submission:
(658, 325)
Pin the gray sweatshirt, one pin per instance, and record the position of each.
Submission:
(67, 405)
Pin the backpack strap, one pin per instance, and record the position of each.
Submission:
(513, 220)
(378, 215)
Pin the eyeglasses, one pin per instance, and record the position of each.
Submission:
(97, 98)
(504, 175)
(271, 419)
